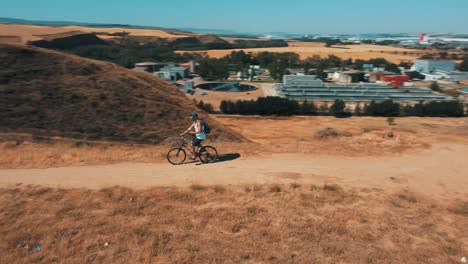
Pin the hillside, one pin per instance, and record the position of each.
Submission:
(55, 94)
(69, 41)
(32, 33)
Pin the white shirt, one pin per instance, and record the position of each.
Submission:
(200, 134)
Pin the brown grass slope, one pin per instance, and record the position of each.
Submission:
(64, 41)
(260, 224)
(55, 94)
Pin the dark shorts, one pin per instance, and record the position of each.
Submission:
(196, 142)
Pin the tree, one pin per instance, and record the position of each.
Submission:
(427, 57)
(393, 68)
(324, 109)
(338, 109)
(405, 65)
(434, 87)
(416, 75)
(387, 109)
(453, 56)
(358, 110)
(207, 107)
(228, 107)
(443, 55)
(444, 109)
(464, 65)
(308, 108)
(213, 69)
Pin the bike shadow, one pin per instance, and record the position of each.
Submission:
(224, 158)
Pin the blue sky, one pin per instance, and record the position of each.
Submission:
(292, 16)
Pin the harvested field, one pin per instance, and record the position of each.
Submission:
(252, 224)
(32, 33)
(307, 49)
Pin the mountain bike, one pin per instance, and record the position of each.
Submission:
(177, 156)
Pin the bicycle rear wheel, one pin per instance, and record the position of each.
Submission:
(208, 154)
(176, 156)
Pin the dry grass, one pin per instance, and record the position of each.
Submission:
(364, 52)
(32, 33)
(358, 136)
(167, 225)
(326, 132)
(52, 89)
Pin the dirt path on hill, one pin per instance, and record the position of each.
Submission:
(441, 171)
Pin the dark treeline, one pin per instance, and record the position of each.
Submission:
(218, 69)
(183, 44)
(278, 63)
(268, 106)
(127, 55)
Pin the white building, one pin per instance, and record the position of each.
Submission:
(430, 66)
(431, 77)
(172, 73)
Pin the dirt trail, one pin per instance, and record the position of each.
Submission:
(440, 171)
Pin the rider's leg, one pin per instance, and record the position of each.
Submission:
(193, 151)
(195, 144)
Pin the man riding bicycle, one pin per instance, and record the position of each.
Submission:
(198, 133)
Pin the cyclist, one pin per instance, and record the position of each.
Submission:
(198, 133)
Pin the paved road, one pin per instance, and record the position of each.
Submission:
(269, 89)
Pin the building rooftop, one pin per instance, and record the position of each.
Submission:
(309, 88)
(146, 64)
(434, 60)
(173, 68)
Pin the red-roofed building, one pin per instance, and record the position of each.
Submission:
(396, 80)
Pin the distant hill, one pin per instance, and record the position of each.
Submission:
(219, 32)
(6, 20)
(64, 41)
(50, 93)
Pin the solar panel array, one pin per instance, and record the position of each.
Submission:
(309, 88)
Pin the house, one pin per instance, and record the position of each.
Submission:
(430, 66)
(172, 73)
(149, 66)
(368, 67)
(378, 76)
(190, 66)
(396, 80)
(432, 77)
(295, 71)
(351, 76)
(454, 76)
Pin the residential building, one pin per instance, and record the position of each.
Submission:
(430, 66)
(149, 66)
(351, 76)
(172, 73)
(396, 80)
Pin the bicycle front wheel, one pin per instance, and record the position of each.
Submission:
(208, 154)
(176, 156)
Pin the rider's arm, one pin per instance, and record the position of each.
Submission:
(188, 130)
(199, 125)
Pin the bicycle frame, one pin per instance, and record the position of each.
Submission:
(183, 145)
(206, 154)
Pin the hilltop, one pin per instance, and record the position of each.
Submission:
(50, 93)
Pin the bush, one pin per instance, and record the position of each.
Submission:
(434, 87)
(307, 108)
(391, 121)
(326, 132)
(338, 109)
(266, 106)
(386, 109)
(207, 107)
